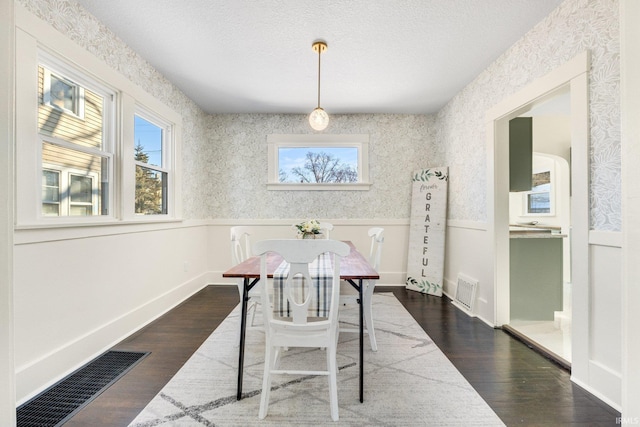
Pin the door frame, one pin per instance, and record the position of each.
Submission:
(573, 74)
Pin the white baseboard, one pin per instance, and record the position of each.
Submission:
(34, 377)
(603, 379)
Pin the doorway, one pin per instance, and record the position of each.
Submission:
(540, 230)
(571, 77)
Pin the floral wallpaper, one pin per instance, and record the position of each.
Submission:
(224, 156)
(236, 186)
(575, 26)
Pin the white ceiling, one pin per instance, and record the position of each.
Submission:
(383, 56)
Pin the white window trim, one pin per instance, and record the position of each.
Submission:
(277, 141)
(167, 150)
(34, 36)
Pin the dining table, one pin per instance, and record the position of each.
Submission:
(354, 269)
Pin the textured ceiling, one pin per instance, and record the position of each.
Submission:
(383, 56)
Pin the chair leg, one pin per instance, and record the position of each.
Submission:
(269, 363)
(332, 366)
(253, 308)
(368, 315)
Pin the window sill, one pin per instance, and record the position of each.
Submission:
(361, 186)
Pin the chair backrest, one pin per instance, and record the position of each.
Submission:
(375, 252)
(325, 228)
(299, 253)
(240, 244)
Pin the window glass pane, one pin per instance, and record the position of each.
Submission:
(80, 210)
(87, 130)
(50, 209)
(541, 181)
(151, 191)
(148, 142)
(539, 203)
(50, 186)
(80, 189)
(50, 193)
(64, 94)
(82, 179)
(318, 164)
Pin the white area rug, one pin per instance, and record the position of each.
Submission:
(407, 382)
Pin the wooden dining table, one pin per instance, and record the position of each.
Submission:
(354, 268)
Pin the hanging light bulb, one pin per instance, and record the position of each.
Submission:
(319, 119)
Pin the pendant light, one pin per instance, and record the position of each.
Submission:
(319, 119)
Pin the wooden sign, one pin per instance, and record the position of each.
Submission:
(425, 264)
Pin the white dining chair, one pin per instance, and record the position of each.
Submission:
(325, 228)
(348, 295)
(300, 329)
(240, 251)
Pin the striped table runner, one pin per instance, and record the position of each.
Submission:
(321, 272)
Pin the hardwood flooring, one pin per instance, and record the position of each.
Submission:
(522, 386)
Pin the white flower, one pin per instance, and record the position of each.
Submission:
(310, 226)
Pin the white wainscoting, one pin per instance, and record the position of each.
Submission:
(77, 296)
(604, 377)
(394, 254)
(78, 292)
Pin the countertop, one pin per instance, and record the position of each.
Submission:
(534, 232)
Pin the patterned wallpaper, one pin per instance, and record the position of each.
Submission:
(217, 148)
(575, 26)
(236, 186)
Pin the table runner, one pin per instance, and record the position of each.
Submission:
(321, 272)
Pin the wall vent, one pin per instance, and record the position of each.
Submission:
(465, 293)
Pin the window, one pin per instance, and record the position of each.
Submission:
(318, 162)
(75, 129)
(151, 153)
(539, 199)
(95, 148)
(63, 94)
(69, 192)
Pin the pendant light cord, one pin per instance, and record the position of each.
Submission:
(319, 54)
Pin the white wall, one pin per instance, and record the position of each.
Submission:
(630, 101)
(468, 249)
(77, 295)
(604, 376)
(7, 375)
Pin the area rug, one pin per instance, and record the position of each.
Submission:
(407, 382)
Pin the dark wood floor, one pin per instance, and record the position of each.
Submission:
(521, 386)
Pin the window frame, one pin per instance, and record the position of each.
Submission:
(358, 141)
(166, 157)
(42, 40)
(72, 73)
(552, 195)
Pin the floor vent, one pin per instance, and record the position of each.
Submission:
(465, 293)
(58, 403)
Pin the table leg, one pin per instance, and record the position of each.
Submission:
(243, 327)
(360, 302)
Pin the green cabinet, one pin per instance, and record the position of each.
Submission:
(520, 153)
(535, 277)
